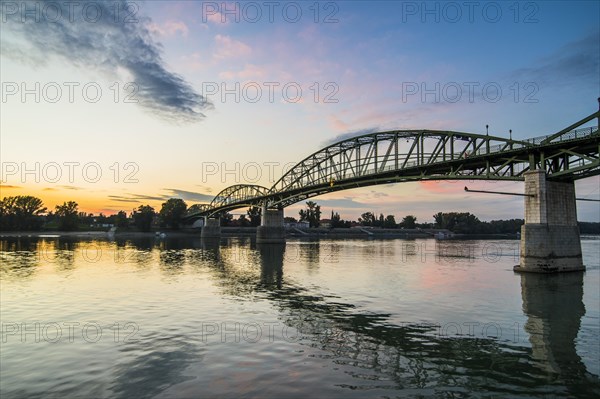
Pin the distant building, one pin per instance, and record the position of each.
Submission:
(326, 223)
(297, 225)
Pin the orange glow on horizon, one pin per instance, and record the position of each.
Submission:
(88, 202)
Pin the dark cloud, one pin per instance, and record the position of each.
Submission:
(343, 203)
(122, 199)
(348, 135)
(205, 188)
(377, 194)
(61, 187)
(106, 36)
(172, 193)
(575, 61)
(136, 198)
(190, 195)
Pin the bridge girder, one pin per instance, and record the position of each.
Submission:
(413, 155)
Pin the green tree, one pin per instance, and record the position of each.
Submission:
(439, 220)
(312, 214)
(459, 222)
(408, 222)
(389, 222)
(121, 219)
(254, 215)
(225, 218)
(367, 219)
(171, 212)
(143, 216)
(23, 212)
(243, 221)
(336, 220)
(68, 216)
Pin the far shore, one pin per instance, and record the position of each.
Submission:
(92, 234)
(239, 232)
(251, 232)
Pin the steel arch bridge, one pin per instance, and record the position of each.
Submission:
(414, 155)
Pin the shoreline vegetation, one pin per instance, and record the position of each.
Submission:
(27, 215)
(227, 232)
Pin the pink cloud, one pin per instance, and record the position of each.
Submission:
(230, 48)
(338, 124)
(249, 72)
(170, 28)
(438, 187)
(222, 14)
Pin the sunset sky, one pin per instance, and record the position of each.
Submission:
(120, 104)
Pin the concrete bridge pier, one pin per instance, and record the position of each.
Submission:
(271, 229)
(211, 228)
(550, 240)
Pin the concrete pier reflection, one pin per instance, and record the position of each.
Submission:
(554, 307)
(271, 264)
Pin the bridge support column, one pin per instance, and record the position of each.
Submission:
(271, 230)
(211, 228)
(550, 236)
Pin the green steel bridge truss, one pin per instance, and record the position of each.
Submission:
(414, 155)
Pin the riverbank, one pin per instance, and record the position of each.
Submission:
(290, 233)
(234, 232)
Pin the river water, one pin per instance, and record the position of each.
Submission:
(183, 317)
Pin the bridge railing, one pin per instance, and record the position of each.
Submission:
(570, 135)
(578, 133)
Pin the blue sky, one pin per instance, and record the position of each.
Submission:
(369, 61)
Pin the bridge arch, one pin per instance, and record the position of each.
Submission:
(237, 196)
(388, 157)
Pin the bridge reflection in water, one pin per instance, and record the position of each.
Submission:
(383, 355)
(416, 356)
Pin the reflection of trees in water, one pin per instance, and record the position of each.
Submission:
(309, 253)
(60, 252)
(160, 365)
(453, 252)
(207, 253)
(22, 256)
(139, 243)
(171, 261)
(136, 251)
(65, 254)
(378, 249)
(19, 258)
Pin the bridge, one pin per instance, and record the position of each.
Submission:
(549, 165)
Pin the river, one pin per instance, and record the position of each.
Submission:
(182, 317)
